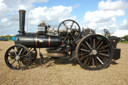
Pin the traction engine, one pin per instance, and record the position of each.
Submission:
(92, 51)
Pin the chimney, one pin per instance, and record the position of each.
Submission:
(21, 22)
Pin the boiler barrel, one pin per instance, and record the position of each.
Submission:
(47, 41)
(38, 41)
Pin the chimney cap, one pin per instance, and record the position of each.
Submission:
(22, 11)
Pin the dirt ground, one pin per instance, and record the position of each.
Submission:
(64, 73)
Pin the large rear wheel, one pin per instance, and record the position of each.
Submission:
(94, 52)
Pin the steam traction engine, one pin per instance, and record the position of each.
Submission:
(92, 51)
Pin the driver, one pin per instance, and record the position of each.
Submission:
(42, 28)
(42, 24)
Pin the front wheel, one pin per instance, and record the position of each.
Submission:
(94, 52)
(18, 57)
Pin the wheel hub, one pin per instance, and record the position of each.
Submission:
(69, 30)
(17, 58)
(94, 52)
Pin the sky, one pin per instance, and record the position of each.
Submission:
(94, 14)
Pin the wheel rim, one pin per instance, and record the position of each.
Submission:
(71, 30)
(94, 52)
(17, 57)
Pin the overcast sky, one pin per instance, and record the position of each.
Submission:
(95, 14)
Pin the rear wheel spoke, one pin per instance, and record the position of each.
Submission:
(82, 57)
(86, 60)
(84, 46)
(97, 43)
(85, 50)
(93, 62)
(96, 62)
(88, 45)
(106, 50)
(100, 45)
(89, 61)
(100, 60)
(103, 47)
(104, 54)
(93, 43)
(83, 54)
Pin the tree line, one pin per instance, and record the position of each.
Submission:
(8, 37)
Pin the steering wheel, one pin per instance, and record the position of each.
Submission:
(69, 30)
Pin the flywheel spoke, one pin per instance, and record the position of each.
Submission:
(66, 37)
(65, 26)
(72, 25)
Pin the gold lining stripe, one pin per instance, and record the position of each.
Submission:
(62, 42)
(49, 44)
(36, 41)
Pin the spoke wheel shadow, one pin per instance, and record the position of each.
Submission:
(52, 61)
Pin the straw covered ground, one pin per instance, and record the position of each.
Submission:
(64, 73)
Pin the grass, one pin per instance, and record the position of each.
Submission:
(123, 42)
